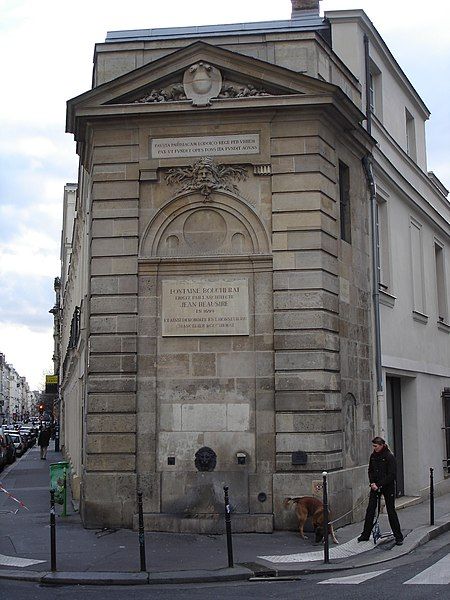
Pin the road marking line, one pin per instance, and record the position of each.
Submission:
(355, 579)
(437, 574)
(16, 561)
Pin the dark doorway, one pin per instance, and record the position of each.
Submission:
(446, 399)
(394, 427)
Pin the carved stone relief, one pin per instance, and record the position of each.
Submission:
(202, 82)
(236, 90)
(185, 226)
(205, 459)
(205, 177)
(204, 231)
(171, 93)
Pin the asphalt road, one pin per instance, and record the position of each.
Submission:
(386, 581)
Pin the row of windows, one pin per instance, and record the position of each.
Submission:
(376, 107)
(417, 265)
(416, 246)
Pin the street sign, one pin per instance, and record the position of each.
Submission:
(51, 384)
(317, 487)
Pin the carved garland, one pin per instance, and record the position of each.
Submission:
(175, 92)
(172, 93)
(232, 90)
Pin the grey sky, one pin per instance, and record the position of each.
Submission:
(47, 49)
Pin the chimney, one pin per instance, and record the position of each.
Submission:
(305, 8)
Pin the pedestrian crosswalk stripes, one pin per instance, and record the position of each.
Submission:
(346, 550)
(16, 561)
(355, 579)
(437, 574)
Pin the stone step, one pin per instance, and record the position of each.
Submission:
(406, 501)
(205, 523)
(403, 502)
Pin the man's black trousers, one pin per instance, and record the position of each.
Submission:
(389, 498)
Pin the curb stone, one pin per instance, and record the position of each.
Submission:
(237, 573)
(416, 538)
(95, 578)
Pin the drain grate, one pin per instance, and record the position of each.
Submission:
(259, 570)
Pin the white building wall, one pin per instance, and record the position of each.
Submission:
(73, 293)
(72, 426)
(415, 344)
(348, 29)
(4, 386)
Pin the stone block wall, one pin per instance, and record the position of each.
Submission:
(109, 486)
(300, 381)
(297, 379)
(196, 391)
(318, 358)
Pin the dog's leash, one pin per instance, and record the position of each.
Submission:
(348, 512)
(376, 531)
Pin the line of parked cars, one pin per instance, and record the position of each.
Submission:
(15, 440)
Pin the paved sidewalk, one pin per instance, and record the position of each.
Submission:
(112, 556)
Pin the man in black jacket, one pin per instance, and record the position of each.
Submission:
(44, 440)
(382, 475)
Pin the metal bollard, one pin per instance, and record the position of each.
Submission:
(228, 528)
(326, 545)
(141, 533)
(431, 497)
(52, 532)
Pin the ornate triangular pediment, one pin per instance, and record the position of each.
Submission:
(198, 75)
(229, 88)
(201, 83)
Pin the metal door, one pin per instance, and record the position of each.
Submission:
(394, 427)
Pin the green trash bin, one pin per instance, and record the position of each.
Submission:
(58, 483)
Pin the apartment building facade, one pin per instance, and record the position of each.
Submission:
(414, 270)
(17, 401)
(219, 318)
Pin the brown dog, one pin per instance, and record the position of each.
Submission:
(310, 507)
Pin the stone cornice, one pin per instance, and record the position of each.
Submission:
(337, 104)
(368, 27)
(206, 265)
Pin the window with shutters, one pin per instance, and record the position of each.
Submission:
(440, 283)
(417, 271)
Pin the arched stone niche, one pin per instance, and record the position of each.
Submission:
(189, 226)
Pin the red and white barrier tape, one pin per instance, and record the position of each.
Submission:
(19, 502)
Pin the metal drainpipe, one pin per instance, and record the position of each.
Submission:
(367, 73)
(368, 169)
(367, 164)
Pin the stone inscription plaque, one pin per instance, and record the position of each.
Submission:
(208, 145)
(205, 307)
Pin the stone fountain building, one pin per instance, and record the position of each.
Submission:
(217, 309)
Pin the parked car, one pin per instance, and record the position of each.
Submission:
(26, 439)
(10, 449)
(3, 459)
(7, 448)
(19, 443)
(31, 434)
